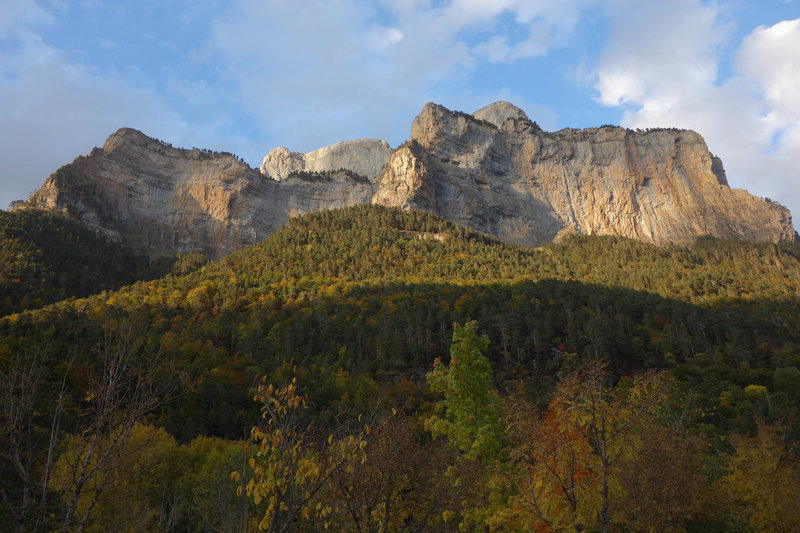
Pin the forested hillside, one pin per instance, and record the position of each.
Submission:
(373, 412)
(46, 257)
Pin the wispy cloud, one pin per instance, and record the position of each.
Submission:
(55, 107)
(17, 15)
(342, 64)
(248, 75)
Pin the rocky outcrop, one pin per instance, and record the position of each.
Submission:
(137, 190)
(495, 171)
(365, 157)
(499, 112)
(499, 173)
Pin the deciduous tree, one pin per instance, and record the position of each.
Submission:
(30, 428)
(568, 460)
(124, 389)
(289, 465)
(764, 481)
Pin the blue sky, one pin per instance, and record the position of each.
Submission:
(246, 76)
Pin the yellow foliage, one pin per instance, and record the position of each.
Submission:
(755, 390)
(288, 468)
(765, 479)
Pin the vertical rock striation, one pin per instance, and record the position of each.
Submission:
(494, 171)
(138, 190)
(499, 173)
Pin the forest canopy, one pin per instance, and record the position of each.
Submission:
(415, 374)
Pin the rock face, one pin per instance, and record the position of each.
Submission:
(495, 171)
(498, 112)
(365, 157)
(138, 190)
(499, 173)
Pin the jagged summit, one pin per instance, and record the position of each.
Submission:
(499, 112)
(366, 157)
(494, 171)
(521, 184)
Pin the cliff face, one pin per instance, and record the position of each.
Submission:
(365, 157)
(498, 172)
(494, 171)
(137, 190)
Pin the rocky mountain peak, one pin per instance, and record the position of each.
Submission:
(510, 179)
(499, 112)
(365, 157)
(280, 162)
(127, 136)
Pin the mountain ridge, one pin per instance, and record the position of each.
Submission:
(494, 171)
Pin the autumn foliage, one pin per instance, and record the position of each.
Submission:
(369, 369)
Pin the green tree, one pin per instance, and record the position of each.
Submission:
(469, 413)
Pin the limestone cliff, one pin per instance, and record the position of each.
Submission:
(495, 171)
(365, 157)
(140, 191)
(499, 173)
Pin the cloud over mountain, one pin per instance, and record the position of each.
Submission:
(245, 75)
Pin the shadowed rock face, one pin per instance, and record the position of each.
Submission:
(494, 171)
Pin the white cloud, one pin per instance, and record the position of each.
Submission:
(382, 36)
(661, 64)
(54, 110)
(770, 56)
(769, 59)
(303, 74)
(307, 74)
(659, 47)
(16, 15)
(315, 72)
(496, 49)
(59, 111)
(543, 24)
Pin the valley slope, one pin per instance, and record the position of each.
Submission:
(356, 305)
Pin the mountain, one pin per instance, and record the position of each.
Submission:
(497, 172)
(150, 195)
(494, 171)
(365, 157)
